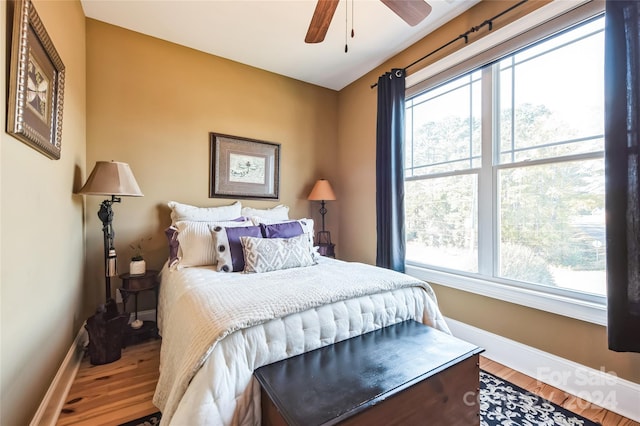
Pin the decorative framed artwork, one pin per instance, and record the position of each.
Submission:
(36, 83)
(243, 168)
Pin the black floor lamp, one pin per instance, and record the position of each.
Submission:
(114, 179)
(322, 192)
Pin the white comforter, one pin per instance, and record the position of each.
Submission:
(217, 328)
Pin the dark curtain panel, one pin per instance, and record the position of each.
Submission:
(390, 171)
(622, 99)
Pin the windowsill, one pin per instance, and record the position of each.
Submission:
(592, 312)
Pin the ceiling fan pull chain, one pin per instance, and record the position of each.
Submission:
(346, 25)
(353, 18)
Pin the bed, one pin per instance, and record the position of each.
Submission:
(217, 328)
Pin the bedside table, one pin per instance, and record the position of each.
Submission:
(327, 249)
(132, 285)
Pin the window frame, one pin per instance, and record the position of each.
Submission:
(554, 17)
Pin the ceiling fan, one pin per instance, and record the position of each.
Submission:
(411, 11)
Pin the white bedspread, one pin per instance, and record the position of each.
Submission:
(217, 328)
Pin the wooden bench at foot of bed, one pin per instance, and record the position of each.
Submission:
(404, 374)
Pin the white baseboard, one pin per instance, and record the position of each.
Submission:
(54, 399)
(597, 387)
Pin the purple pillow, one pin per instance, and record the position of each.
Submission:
(282, 230)
(235, 247)
(172, 237)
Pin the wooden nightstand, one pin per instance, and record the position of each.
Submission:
(327, 250)
(132, 285)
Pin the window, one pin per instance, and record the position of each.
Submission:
(504, 168)
(444, 152)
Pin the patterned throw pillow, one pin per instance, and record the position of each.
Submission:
(272, 254)
(230, 255)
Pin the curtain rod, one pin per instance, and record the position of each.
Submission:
(464, 36)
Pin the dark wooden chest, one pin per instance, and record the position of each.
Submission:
(404, 374)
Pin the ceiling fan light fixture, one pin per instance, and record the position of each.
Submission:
(410, 11)
(322, 16)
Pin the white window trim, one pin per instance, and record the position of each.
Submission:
(589, 311)
(583, 310)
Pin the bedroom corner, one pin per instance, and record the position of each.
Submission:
(42, 230)
(162, 131)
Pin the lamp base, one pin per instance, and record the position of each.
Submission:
(106, 329)
(323, 238)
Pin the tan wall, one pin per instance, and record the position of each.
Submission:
(41, 232)
(152, 104)
(575, 340)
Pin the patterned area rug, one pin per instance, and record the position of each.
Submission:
(501, 404)
(150, 420)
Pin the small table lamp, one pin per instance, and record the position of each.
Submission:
(115, 179)
(322, 192)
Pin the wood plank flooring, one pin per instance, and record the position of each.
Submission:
(115, 393)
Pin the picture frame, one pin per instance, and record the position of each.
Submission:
(243, 168)
(36, 82)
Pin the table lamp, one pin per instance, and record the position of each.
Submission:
(322, 192)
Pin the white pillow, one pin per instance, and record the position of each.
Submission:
(278, 212)
(197, 247)
(272, 254)
(257, 220)
(203, 214)
(307, 227)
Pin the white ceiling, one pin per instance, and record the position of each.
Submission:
(269, 34)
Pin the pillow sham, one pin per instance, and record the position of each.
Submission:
(181, 212)
(272, 254)
(279, 212)
(307, 227)
(282, 230)
(306, 224)
(229, 254)
(196, 243)
(257, 220)
(174, 245)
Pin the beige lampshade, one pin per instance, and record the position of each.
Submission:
(111, 178)
(321, 191)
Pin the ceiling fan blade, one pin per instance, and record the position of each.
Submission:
(320, 21)
(411, 11)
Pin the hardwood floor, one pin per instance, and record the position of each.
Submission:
(115, 393)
